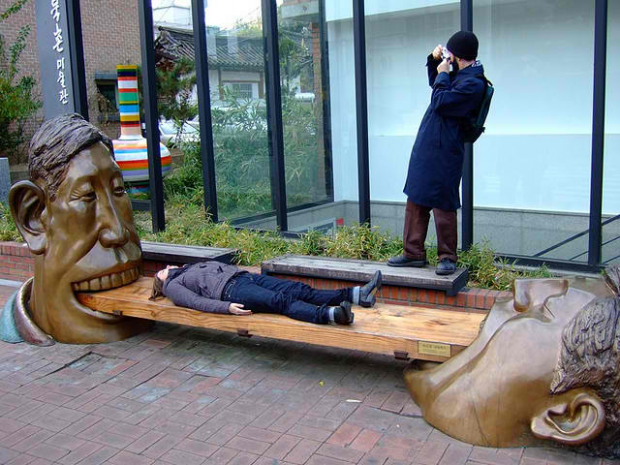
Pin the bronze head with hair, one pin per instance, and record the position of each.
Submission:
(544, 369)
(76, 217)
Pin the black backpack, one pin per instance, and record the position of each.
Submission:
(474, 127)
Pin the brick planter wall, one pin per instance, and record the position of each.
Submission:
(16, 263)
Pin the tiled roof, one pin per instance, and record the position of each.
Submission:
(240, 53)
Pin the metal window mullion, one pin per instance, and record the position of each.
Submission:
(467, 186)
(598, 133)
(361, 100)
(78, 74)
(151, 115)
(326, 103)
(274, 110)
(207, 153)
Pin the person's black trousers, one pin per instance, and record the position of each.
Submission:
(417, 218)
(266, 294)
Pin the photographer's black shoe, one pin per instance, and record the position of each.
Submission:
(343, 314)
(367, 291)
(445, 267)
(401, 260)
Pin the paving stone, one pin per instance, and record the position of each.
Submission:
(302, 451)
(179, 457)
(244, 458)
(366, 440)
(456, 454)
(99, 456)
(80, 453)
(308, 432)
(65, 441)
(48, 451)
(344, 435)
(197, 447)
(340, 453)
(146, 441)
(259, 434)
(222, 456)
(282, 447)
(162, 446)
(321, 460)
(247, 445)
(6, 455)
(22, 459)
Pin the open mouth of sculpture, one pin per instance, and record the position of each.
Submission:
(108, 281)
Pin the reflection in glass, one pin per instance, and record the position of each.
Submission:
(399, 37)
(238, 110)
(532, 166)
(318, 110)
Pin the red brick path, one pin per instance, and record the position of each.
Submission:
(190, 397)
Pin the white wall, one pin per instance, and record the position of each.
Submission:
(538, 53)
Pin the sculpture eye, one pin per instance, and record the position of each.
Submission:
(89, 196)
(120, 190)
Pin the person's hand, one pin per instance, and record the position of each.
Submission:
(444, 66)
(237, 309)
(437, 52)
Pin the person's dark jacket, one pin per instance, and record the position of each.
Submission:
(436, 163)
(199, 286)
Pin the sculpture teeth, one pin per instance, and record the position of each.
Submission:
(94, 284)
(107, 282)
(116, 279)
(126, 277)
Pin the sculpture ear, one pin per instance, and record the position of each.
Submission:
(573, 422)
(27, 202)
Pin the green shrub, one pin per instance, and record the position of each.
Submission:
(18, 101)
(187, 224)
(8, 230)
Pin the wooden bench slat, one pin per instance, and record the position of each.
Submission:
(345, 269)
(383, 329)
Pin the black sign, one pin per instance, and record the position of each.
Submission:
(55, 57)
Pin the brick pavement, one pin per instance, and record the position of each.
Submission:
(183, 396)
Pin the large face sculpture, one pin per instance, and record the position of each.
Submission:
(543, 368)
(76, 218)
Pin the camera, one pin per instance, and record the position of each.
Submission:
(445, 55)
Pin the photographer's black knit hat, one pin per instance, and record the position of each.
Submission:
(464, 44)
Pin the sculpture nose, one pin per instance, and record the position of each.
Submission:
(533, 293)
(112, 232)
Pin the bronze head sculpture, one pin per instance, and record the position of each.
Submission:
(545, 367)
(76, 218)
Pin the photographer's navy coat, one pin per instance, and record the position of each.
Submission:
(436, 163)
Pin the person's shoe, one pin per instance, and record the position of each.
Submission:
(445, 267)
(367, 291)
(401, 260)
(343, 314)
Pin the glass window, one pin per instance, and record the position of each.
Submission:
(532, 166)
(399, 37)
(317, 74)
(240, 90)
(238, 112)
(610, 252)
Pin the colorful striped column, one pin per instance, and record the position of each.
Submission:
(130, 149)
(128, 101)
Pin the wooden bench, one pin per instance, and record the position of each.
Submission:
(173, 253)
(342, 269)
(405, 332)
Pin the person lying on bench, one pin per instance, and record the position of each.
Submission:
(219, 288)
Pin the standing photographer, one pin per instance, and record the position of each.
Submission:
(436, 163)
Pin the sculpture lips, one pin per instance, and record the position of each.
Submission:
(109, 281)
